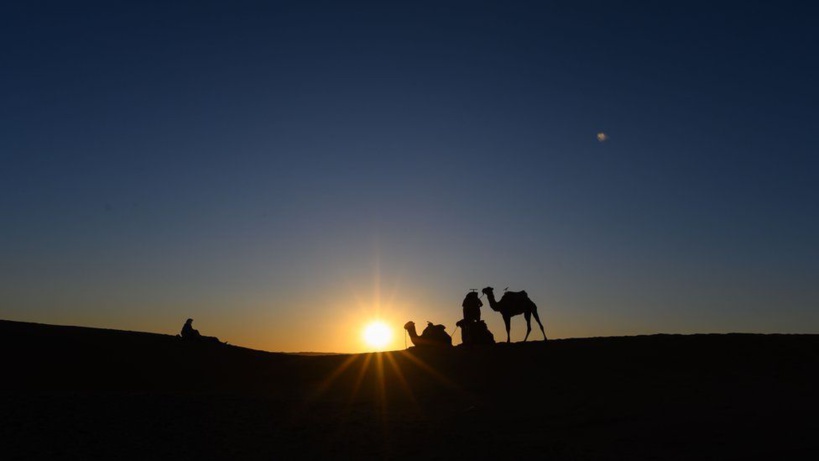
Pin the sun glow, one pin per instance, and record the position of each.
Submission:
(377, 335)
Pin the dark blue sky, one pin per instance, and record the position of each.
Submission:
(283, 171)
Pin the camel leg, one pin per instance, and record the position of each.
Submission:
(534, 312)
(507, 321)
(528, 318)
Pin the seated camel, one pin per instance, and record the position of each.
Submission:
(433, 335)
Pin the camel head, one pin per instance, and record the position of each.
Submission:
(488, 291)
(409, 326)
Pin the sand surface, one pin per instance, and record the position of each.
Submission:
(82, 393)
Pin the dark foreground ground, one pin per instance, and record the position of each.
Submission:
(84, 393)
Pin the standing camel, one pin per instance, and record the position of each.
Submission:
(513, 303)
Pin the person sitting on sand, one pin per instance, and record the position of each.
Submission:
(188, 332)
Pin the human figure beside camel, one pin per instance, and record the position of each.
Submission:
(472, 306)
(473, 329)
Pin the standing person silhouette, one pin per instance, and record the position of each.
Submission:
(473, 330)
(472, 307)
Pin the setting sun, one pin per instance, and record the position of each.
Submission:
(377, 335)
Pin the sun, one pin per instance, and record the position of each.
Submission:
(377, 334)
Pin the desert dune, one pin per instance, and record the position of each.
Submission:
(84, 393)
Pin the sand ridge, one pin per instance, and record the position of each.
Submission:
(83, 392)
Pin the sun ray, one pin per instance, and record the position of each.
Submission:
(402, 380)
(428, 369)
(335, 374)
(381, 387)
(362, 371)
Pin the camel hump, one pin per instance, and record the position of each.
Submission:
(436, 334)
(432, 327)
(516, 296)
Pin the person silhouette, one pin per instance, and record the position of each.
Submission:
(472, 306)
(188, 332)
(473, 330)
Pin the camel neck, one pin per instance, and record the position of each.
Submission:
(492, 303)
(412, 332)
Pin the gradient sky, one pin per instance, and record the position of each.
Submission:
(284, 172)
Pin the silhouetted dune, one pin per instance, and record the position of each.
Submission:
(60, 357)
(90, 393)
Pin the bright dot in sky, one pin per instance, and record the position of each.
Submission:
(377, 334)
(602, 137)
